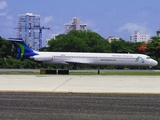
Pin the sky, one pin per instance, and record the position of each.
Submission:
(118, 18)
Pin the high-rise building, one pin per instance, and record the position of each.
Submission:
(75, 24)
(29, 30)
(158, 32)
(137, 37)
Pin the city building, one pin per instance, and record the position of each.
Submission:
(111, 38)
(158, 32)
(137, 37)
(29, 30)
(75, 24)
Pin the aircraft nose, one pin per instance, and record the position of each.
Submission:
(154, 63)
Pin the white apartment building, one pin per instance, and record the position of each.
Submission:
(137, 37)
(75, 24)
(111, 38)
(29, 30)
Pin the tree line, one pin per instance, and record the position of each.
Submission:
(81, 41)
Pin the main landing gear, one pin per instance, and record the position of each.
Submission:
(75, 67)
(150, 67)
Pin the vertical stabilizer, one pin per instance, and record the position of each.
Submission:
(23, 51)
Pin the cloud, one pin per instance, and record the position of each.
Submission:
(3, 4)
(3, 14)
(111, 13)
(9, 17)
(8, 23)
(48, 19)
(132, 27)
(91, 25)
(58, 30)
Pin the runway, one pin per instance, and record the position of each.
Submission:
(80, 84)
(73, 97)
(71, 106)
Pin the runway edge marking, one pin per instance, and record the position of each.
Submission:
(38, 91)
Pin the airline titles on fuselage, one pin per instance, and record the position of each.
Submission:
(113, 58)
(108, 59)
(127, 56)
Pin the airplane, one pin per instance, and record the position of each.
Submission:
(75, 58)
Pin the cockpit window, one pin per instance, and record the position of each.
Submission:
(147, 57)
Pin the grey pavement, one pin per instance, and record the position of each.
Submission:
(75, 106)
(80, 84)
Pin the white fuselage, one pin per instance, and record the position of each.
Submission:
(94, 58)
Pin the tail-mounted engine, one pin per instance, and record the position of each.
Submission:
(41, 58)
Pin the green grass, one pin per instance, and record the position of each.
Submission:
(132, 73)
(20, 73)
(119, 73)
(88, 73)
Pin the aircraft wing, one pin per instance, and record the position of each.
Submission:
(77, 62)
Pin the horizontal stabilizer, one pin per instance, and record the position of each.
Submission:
(15, 39)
